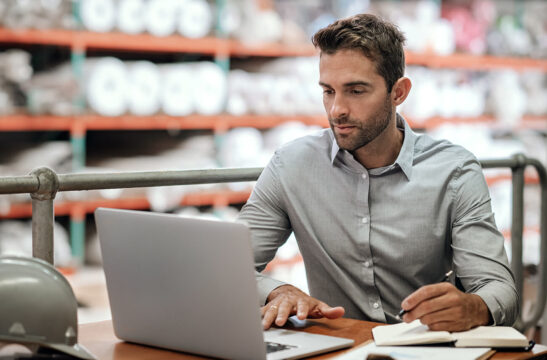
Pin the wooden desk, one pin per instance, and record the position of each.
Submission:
(100, 340)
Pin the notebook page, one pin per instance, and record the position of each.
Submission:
(495, 336)
(408, 334)
(414, 352)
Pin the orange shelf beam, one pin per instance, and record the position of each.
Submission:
(112, 41)
(433, 122)
(527, 122)
(213, 122)
(21, 122)
(80, 124)
(237, 48)
(474, 62)
(68, 208)
(155, 122)
(147, 42)
(229, 47)
(42, 37)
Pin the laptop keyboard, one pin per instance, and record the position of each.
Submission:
(274, 347)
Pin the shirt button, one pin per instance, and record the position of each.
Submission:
(376, 305)
(367, 263)
(364, 176)
(365, 220)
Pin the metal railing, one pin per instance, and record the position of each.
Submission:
(43, 184)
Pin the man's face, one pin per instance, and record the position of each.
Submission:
(355, 98)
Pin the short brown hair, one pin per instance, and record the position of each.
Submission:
(378, 39)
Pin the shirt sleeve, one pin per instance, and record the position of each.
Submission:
(270, 226)
(480, 260)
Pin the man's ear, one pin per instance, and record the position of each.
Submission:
(400, 90)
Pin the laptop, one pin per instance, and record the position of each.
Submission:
(189, 285)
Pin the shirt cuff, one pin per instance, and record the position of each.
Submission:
(497, 310)
(265, 286)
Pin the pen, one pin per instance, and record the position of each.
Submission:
(445, 278)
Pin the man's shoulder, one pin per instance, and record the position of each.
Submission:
(428, 149)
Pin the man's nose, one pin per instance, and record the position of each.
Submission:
(339, 108)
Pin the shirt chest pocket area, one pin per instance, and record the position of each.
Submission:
(411, 228)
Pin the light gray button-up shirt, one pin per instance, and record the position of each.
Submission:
(371, 237)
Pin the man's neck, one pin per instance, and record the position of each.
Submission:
(383, 150)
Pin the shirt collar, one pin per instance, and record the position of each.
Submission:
(405, 158)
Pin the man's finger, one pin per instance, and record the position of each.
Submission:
(428, 306)
(283, 313)
(302, 309)
(447, 314)
(445, 326)
(269, 316)
(424, 293)
(330, 312)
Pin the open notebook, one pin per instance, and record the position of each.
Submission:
(415, 333)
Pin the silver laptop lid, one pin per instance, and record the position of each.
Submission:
(158, 299)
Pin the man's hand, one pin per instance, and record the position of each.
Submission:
(443, 307)
(287, 300)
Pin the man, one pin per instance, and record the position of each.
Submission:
(380, 214)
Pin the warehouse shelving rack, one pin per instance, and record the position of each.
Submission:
(222, 49)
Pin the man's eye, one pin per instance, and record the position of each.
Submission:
(328, 92)
(357, 92)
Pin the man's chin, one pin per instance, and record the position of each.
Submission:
(345, 145)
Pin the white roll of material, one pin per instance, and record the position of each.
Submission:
(472, 100)
(98, 15)
(241, 147)
(238, 82)
(144, 88)
(259, 26)
(160, 17)
(210, 88)
(449, 96)
(230, 17)
(107, 86)
(422, 101)
(195, 18)
(16, 240)
(442, 37)
(15, 65)
(236, 104)
(507, 97)
(258, 98)
(130, 16)
(18, 14)
(283, 97)
(176, 94)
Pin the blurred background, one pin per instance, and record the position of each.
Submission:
(120, 85)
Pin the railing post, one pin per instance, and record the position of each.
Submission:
(539, 306)
(43, 213)
(517, 226)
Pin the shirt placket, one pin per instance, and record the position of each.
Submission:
(374, 305)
